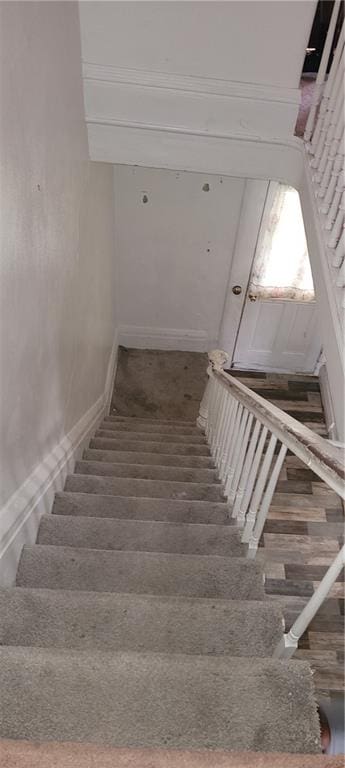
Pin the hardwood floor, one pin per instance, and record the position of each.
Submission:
(303, 533)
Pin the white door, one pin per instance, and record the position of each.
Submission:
(277, 336)
(278, 327)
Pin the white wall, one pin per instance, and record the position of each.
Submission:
(58, 268)
(175, 255)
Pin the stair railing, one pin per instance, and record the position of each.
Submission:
(249, 438)
(325, 143)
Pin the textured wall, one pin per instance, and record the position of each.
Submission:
(57, 267)
(175, 237)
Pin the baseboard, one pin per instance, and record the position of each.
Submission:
(187, 340)
(20, 516)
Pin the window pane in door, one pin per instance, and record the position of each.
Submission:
(281, 267)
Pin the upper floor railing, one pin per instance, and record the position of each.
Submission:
(325, 141)
(249, 438)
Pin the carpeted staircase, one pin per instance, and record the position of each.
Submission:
(136, 619)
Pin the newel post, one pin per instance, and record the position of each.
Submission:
(217, 359)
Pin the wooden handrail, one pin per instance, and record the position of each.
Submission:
(325, 459)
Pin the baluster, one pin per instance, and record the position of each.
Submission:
(341, 276)
(233, 408)
(217, 416)
(238, 510)
(337, 226)
(289, 642)
(224, 419)
(259, 489)
(332, 128)
(211, 406)
(334, 207)
(233, 442)
(240, 462)
(335, 150)
(335, 182)
(265, 504)
(236, 453)
(339, 253)
(253, 475)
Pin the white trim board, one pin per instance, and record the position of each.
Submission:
(183, 339)
(172, 81)
(21, 514)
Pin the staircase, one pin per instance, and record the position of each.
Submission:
(136, 620)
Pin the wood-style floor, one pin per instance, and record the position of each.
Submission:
(303, 534)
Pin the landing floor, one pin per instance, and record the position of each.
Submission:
(303, 533)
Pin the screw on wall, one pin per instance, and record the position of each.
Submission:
(206, 187)
(145, 198)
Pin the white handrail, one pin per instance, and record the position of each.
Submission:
(289, 642)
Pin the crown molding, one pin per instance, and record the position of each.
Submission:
(190, 83)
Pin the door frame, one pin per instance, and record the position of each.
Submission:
(254, 204)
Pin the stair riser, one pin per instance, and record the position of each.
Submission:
(120, 426)
(139, 536)
(104, 622)
(104, 441)
(140, 572)
(151, 437)
(167, 510)
(162, 460)
(155, 489)
(150, 472)
(145, 700)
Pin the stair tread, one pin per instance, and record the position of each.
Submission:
(58, 567)
(134, 699)
(135, 507)
(105, 439)
(144, 487)
(138, 457)
(147, 471)
(139, 535)
(110, 621)
(193, 439)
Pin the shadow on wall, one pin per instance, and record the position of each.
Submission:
(159, 384)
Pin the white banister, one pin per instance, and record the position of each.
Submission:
(289, 642)
(249, 438)
(320, 79)
(325, 145)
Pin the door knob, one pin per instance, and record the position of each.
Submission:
(237, 289)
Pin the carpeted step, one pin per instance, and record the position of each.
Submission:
(141, 572)
(117, 622)
(143, 420)
(162, 437)
(155, 427)
(105, 441)
(138, 457)
(155, 489)
(133, 699)
(139, 535)
(169, 510)
(147, 471)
